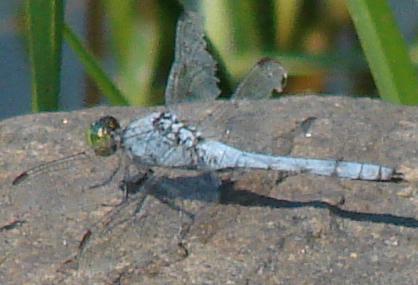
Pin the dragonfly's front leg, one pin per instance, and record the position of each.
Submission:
(129, 185)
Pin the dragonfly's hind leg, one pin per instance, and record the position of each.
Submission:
(208, 180)
(183, 230)
(143, 200)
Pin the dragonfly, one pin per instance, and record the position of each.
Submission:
(160, 139)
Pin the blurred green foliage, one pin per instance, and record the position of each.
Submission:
(44, 23)
(315, 40)
(386, 51)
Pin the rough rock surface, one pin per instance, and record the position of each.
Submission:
(268, 227)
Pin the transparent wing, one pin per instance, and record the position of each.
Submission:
(192, 75)
(267, 75)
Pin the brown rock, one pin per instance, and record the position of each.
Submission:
(269, 228)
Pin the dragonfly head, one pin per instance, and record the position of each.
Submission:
(103, 136)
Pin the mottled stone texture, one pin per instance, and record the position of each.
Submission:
(269, 227)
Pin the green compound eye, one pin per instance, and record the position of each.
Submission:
(102, 136)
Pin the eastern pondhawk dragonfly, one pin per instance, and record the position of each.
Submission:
(162, 140)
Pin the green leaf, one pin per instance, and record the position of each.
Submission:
(44, 19)
(93, 69)
(385, 50)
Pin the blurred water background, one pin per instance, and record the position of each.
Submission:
(321, 52)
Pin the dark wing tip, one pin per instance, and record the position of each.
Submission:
(266, 60)
(266, 76)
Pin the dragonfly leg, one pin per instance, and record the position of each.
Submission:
(110, 177)
(111, 219)
(172, 205)
(125, 185)
(134, 184)
(142, 205)
(184, 227)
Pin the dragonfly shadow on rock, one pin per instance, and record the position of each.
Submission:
(200, 190)
(156, 231)
(231, 196)
(185, 188)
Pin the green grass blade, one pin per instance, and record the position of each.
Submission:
(44, 24)
(386, 51)
(93, 69)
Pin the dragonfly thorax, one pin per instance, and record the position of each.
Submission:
(104, 136)
(159, 139)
